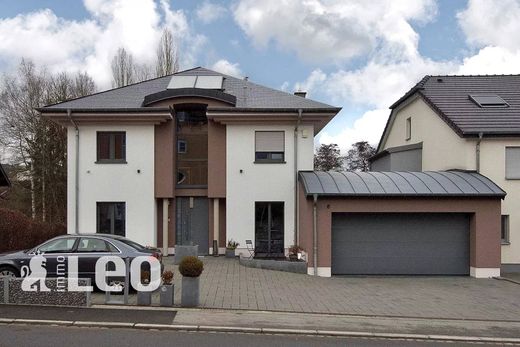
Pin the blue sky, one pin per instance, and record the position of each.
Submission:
(345, 53)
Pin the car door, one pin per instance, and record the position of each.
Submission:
(89, 250)
(56, 252)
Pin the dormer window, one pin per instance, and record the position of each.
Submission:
(488, 100)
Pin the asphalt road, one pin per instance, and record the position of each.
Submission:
(34, 335)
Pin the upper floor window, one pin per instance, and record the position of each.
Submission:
(111, 146)
(408, 128)
(270, 146)
(513, 162)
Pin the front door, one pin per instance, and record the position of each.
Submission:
(192, 222)
(269, 229)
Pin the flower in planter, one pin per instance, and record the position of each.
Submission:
(167, 277)
(232, 244)
(295, 252)
(191, 267)
(145, 277)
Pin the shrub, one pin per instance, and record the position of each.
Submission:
(191, 266)
(145, 277)
(18, 232)
(167, 277)
(232, 244)
(295, 249)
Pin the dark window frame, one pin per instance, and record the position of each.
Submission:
(112, 226)
(408, 129)
(182, 142)
(262, 157)
(112, 148)
(505, 229)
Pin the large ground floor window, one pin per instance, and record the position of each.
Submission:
(269, 229)
(111, 218)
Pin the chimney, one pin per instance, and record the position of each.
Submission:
(301, 94)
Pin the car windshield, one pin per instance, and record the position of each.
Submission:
(133, 244)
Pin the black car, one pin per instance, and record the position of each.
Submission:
(87, 247)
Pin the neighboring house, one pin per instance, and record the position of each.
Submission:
(5, 183)
(467, 123)
(200, 157)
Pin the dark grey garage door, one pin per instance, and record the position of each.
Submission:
(400, 244)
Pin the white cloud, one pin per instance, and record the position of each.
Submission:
(492, 23)
(210, 12)
(89, 45)
(335, 29)
(225, 67)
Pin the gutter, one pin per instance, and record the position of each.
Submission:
(477, 151)
(76, 175)
(315, 234)
(296, 195)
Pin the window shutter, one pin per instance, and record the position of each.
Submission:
(270, 141)
(513, 162)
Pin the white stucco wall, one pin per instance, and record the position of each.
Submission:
(443, 149)
(261, 182)
(114, 182)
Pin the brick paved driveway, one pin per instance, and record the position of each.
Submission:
(226, 284)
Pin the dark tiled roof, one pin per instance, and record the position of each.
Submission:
(4, 180)
(423, 184)
(248, 95)
(449, 97)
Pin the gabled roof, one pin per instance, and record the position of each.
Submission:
(394, 184)
(4, 180)
(248, 95)
(450, 97)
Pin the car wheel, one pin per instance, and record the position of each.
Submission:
(8, 271)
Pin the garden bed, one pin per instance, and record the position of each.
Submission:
(272, 264)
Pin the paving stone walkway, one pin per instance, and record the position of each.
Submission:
(225, 284)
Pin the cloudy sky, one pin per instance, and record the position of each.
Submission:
(355, 54)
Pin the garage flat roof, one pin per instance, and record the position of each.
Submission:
(394, 183)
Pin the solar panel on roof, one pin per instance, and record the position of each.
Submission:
(489, 100)
(202, 82)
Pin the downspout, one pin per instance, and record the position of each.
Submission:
(76, 175)
(315, 234)
(477, 151)
(296, 194)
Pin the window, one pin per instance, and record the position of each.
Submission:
(90, 245)
(111, 147)
(269, 147)
(111, 218)
(408, 128)
(182, 146)
(490, 100)
(62, 245)
(504, 235)
(513, 163)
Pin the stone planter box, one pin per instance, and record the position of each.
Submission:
(190, 291)
(278, 265)
(144, 298)
(230, 253)
(166, 294)
(184, 251)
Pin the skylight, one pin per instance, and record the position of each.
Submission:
(202, 82)
(488, 100)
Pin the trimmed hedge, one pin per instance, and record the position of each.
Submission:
(191, 266)
(18, 232)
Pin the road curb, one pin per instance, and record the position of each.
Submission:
(248, 330)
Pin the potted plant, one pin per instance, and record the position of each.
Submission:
(144, 298)
(167, 288)
(295, 253)
(190, 268)
(230, 248)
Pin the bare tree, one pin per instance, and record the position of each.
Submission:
(328, 158)
(37, 145)
(357, 158)
(123, 68)
(167, 55)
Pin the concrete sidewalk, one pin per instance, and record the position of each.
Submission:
(265, 322)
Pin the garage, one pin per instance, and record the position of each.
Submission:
(400, 244)
(400, 223)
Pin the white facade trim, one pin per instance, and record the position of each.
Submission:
(323, 271)
(483, 272)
